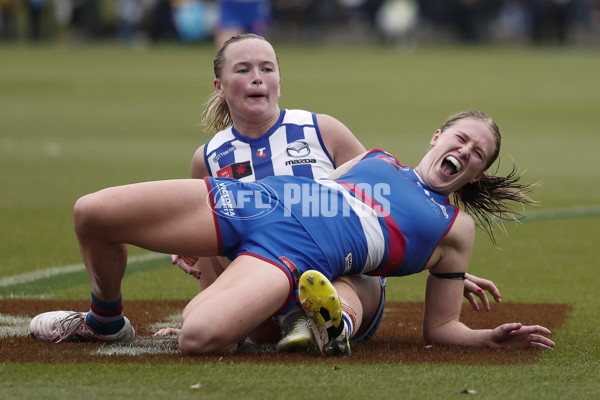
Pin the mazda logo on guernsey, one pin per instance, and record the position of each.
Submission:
(237, 200)
(299, 148)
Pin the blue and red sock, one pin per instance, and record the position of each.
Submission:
(105, 318)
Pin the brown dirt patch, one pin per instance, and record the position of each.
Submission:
(398, 340)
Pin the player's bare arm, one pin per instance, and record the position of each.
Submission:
(199, 169)
(338, 139)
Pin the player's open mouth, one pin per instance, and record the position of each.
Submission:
(451, 166)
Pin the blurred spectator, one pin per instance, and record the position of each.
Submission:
(435, 12)
(8, 29)
(34, 12)
(194, 20)
(550, 20)
(129, 16)
(511, 23)
(305, 20)
(161, 24)
(583, 12)
(62, 12)
(362, 11)
(396, 20)
(80, 19)
(472, 18)
(85, 18)
(560, 19)
(353, 21)
(242, 16)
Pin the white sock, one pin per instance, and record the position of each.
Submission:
(348, 321)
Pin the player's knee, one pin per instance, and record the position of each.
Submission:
(84, 214)
(204, 340)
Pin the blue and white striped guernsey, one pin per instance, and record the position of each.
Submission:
(293, 146)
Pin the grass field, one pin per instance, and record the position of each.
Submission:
(74, 121)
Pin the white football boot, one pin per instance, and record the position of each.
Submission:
(63, 326)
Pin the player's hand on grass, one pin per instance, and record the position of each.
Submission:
(186, 264)
(475, 286)
(513, 335)
(167, 332)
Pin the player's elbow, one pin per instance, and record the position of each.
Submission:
(428, 337)
(435, 334)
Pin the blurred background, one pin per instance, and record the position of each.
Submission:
(397, 22)
(98, 93)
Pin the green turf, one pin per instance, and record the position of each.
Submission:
(77, 120)
(300, 381)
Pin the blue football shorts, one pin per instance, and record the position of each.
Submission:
(250, 220)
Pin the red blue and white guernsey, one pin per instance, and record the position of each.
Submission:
(378, 219)
(413, 223)
(293, 146)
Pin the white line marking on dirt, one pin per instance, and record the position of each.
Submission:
(13, 325)
(141, 346)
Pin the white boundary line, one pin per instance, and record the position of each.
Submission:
(66, 269)
(556, 213)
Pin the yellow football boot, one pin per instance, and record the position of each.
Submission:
(320, 300)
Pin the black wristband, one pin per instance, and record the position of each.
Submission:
(449, 275)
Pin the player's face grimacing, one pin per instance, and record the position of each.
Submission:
(457, 156)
